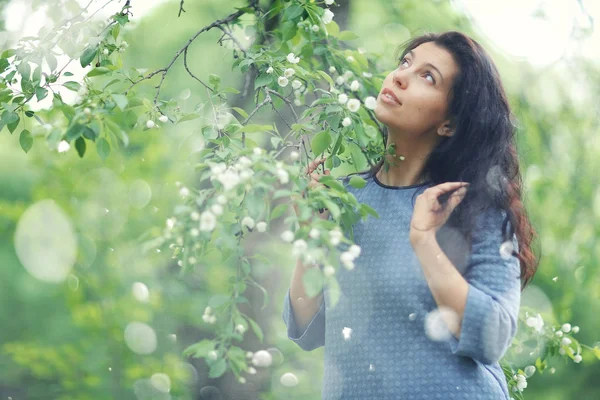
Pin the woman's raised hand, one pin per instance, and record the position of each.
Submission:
(314, 182)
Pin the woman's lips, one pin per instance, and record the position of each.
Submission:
(389, 97)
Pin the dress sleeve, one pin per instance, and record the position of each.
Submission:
(490, 317)
(314, 334)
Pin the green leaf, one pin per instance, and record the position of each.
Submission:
(241, 111)
(326, 77)
(68, 73)
(218, 368)
(13, 125)
(357, 182)
(292, 12)
(80, 146)
(72, 85)
(41, 93)
(253, 128)
(199, 349)
(98, 71)
(3, 64)
(367, 208)
(88, 55)
(26, 140)
(214, 80)
(263, 80)
(188, 117)
(279, 210)
(74, 132)
(347, 35)
(115, 31)
(121, 100)
(333, 289)
(333, 208)
(103, 148)
(218, 300)
(8, 53)
(256, 329)
(313, 281)
(320, 142)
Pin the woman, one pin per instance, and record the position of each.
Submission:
(430, 305)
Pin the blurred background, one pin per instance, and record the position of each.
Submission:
(113, 324)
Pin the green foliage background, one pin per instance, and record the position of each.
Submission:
(65, 341)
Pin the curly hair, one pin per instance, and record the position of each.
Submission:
(482, 150)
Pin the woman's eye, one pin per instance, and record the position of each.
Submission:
(404, 60)
(431, 76)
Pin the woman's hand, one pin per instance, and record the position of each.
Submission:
(314, 182)
(430, 214)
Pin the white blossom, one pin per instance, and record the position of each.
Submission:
(282, 175)
(294, 155)
(346, 256)
(105, 52)
(248, 221)
(565, 341)
(207, 310)
(329, 2)
(575, 329)
(298, 102)
(261, 226)
(562, 351)
(163, 118)
(213, 355)
(194, 216)
(262, 358)
(559, 333)
(124, 44)
(335, 236)
(577, 358)
(257, 151)
(353, 105)
(287, 236)
(208, 221)
(87, 111)
(521, 382)
(350, 59)
(282, 81)
(184, 192)
(340, 80)
(270, 70)
(150, 124)
(371, 102)
(328, 270)
(348, 74)
(229, 179)
(289, 72)
(194, 232)
(327, 16)
(332, 69)
(251, 370)
(241, 379)
(343, 98)
(288, 379)
(314, 233)
(367, 74)
(566, 328)
(299, 247)
(346, 121)
(529, 370)
(347, 333)
(296, 84)
(63, 146)
(293, 59)
(354, 86)
(535, 322)
(192, 260)
(315, 28)
(239, 328)
(354, 250)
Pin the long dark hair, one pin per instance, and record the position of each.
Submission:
(482, 149)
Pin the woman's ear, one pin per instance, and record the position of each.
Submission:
(445, 129)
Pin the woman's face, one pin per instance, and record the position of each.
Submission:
(421, 84)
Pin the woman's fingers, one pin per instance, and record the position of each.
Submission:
(314, 164)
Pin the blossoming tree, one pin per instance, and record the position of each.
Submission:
(322, 90)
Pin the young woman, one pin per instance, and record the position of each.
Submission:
(430, 305)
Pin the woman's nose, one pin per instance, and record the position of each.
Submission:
(400, 78)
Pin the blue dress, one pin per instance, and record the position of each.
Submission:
(385, 301)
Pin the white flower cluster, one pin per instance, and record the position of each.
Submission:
(239, 328)
(536, 323)
(208, 317)
(347, 257)
(521, 382)
(262, 358)
(123, 46)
